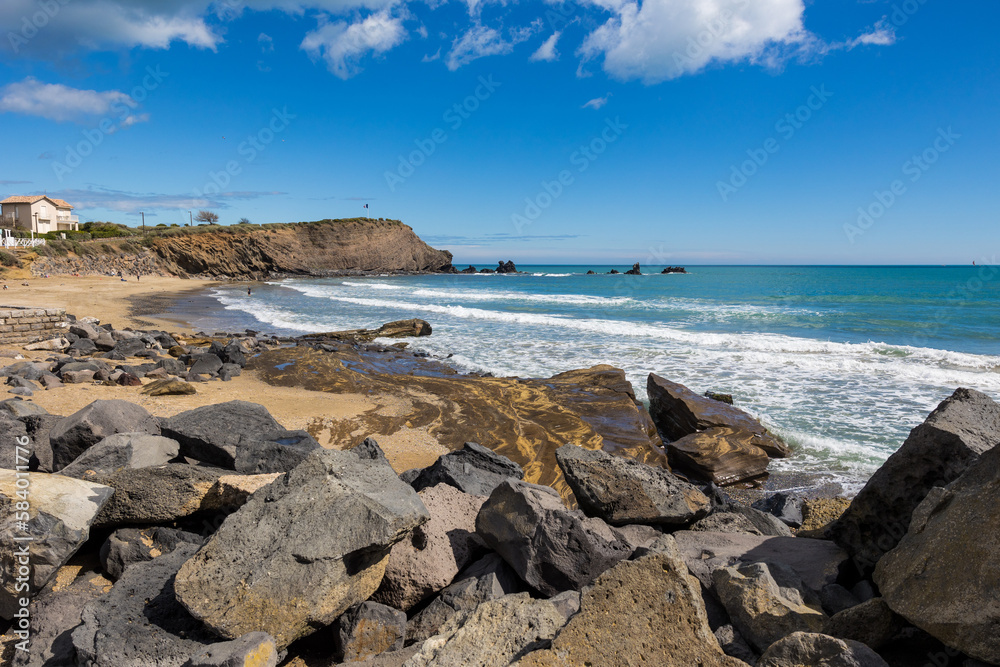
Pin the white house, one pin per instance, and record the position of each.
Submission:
(38, 213)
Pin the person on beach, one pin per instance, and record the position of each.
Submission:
(248, 291)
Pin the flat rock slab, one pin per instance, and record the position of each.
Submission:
(274, 451)
(553, 549)
(303, 550)
(625, 491)
(58, 520)
(496, 634)
(430, 557)
(953, 437)
(678, 411)
(720, 455)
(122, 450)
(91, 424)
(213, 433)
(945, 573)
(647, 611)
(816, 562)
(140, 621)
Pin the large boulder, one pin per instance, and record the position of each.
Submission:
(625, 491)
(496, 633)
(647, 611)
(213, 433)
(303, 549)
(952, 438)
(473, 469)
(945, 574)
(274, 451)
(433, 553)
(488, 578)
(54, 526)
(55, 611)
(872, 623)
(678, 411)
(13, 434)
(810, 649)
(720, 455)
(763, 610)
(368, 629)
(91, 424)
(163, 494)
(816, 562)
(553, 549)
(120, 451)
(140, 622)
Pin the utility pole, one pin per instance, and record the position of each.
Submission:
(190, 219)
(143, 214)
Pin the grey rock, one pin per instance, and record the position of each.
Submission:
(84, 330)
(158, 495)
(952, 438)
(140, 621)
(733, 644)
(944, 574)
(816, 562)
(213, 433)
(623, 491)
(303, 549)
(172, 366)
(488, 578)
(39, 427)
(254, 649)
(872, 623)
(761, 609)
(17, 408)
(127, 546)
(58, 521)
(496, 633)
(784, 506)
(91, 424)
(637, 536)
(206, 364)
(836, 598)
(21, 391)
(84, 346)
(13, 434)
(726, 522)
(805, 649)
(473, 469)
(368, 629)
(553, 549)
(273, 451)
(128, 347)
(122, 450)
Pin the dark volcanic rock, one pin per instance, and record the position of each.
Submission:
(213, 433)
(127, 546)
(506, 267)
(275, 451)
(122, 450)
(158, 495)
(678, 411)
(368, 629)
(952, 438)
(785, 506)
(59, 517)
(944, 575)
(89, 425)
(13, 434)
(303, 549)
(473, 469)
(206, 364)
(634, 271)
(623, 491)
(254, 649)
(140, 622)
(553, 549)
(872, 623)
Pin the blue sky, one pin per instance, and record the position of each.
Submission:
(603, 131)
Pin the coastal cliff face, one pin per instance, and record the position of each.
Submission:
(316, 248)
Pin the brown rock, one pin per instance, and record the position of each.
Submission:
(719, 455)
(168, 388)
(647, 611)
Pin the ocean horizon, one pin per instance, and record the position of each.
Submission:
(839, 361)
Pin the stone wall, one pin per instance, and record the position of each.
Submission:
(25, 325)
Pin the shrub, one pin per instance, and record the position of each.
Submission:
(9, 259)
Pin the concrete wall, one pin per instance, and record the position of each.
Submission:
(26, 325)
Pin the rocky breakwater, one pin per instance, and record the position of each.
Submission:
(334, 558)
(709, 438)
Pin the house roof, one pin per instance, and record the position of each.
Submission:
(31, 199)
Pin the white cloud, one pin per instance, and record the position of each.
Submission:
(596, 103)
(341, 45)
(57, 102)
(266, 42)
(547, 51)
(428, 58)
(481, 41)
(665, 39)
(882, 34)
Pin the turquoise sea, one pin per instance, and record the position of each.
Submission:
(840, 361)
